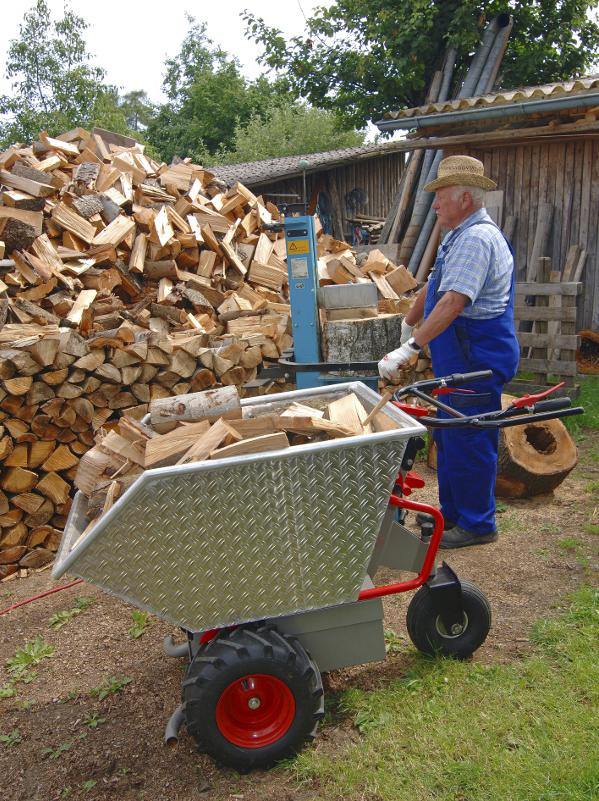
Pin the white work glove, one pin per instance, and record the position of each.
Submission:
(391, 365)
(406, 332)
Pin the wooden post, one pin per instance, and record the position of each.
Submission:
(336, 209)
(541, 326)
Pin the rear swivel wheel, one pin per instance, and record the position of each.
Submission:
(430, 636)
(252, 697)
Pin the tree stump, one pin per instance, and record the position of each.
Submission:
(534, 459)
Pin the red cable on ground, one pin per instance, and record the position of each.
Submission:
(41, 595)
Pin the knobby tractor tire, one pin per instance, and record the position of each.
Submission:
(252, 697)
(428, 633)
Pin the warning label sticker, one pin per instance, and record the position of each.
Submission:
(298, 246)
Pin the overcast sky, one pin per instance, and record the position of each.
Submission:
(131, 39)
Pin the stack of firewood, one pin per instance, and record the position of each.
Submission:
(121, 281)
(338, 264)
(209, 425)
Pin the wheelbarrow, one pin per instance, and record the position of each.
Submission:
(267, 562)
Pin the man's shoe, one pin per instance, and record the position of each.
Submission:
(457, 537)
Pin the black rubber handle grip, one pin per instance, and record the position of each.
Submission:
(552, 405)
(464, 378)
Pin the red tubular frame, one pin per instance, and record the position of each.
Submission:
(427, 565)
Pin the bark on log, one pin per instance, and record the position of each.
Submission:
(17, 235)
(534, 459)
(360, 340)
(222, 402)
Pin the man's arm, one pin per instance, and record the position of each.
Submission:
(447, 309)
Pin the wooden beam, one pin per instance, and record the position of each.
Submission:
(563, 288)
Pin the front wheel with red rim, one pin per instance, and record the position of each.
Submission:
(252, 697)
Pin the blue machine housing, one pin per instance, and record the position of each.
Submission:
(302, 256)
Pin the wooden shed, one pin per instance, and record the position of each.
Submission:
(353, 188)
(541, 145)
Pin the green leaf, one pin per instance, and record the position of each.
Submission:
(14, 738)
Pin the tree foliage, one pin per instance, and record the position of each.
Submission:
(287, 129)
(54, 86)
(138, 109)
(212, 111)
(361, 58)
(208, 99)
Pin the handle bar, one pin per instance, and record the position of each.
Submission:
(493, 420)
(453, 380)
(553, 405)
(499, 418)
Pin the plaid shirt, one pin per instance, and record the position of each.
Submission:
(478, 264)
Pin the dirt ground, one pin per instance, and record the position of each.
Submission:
(542, 554)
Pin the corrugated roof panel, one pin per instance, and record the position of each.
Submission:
(522, 95)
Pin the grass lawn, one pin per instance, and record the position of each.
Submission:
(459, 731)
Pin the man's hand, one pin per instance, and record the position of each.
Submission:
(391, 365)
(406, 332)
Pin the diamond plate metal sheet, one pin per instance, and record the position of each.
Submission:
(220, 543)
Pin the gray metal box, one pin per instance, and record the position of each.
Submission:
(347, 296)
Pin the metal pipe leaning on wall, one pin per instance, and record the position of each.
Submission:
(490, 69)
(481, 74)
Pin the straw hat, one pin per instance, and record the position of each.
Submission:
(460, 171)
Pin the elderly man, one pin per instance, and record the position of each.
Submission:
(468, 311)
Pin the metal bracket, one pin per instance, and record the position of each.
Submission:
(446, 593)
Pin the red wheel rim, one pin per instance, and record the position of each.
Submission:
(255, 710)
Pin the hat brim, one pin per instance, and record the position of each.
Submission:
(460, 179)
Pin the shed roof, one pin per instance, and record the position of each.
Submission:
(257, 172)
(549, 91)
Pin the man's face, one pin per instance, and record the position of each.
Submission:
(452, 206)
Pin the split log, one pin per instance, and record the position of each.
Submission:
(260, 444)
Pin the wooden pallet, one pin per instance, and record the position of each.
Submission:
(549, 349)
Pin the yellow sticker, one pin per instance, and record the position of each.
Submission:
(299, 246)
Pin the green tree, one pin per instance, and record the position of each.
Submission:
(362, 58)
(208, 98)
(54, 86)
(109, 113)
(289, 129)
(138, 109)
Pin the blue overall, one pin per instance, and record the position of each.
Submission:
(467, 457)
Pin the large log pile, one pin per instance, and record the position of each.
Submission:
(122, 281)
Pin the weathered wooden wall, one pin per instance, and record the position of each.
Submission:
(379, 177)
(565, 174)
